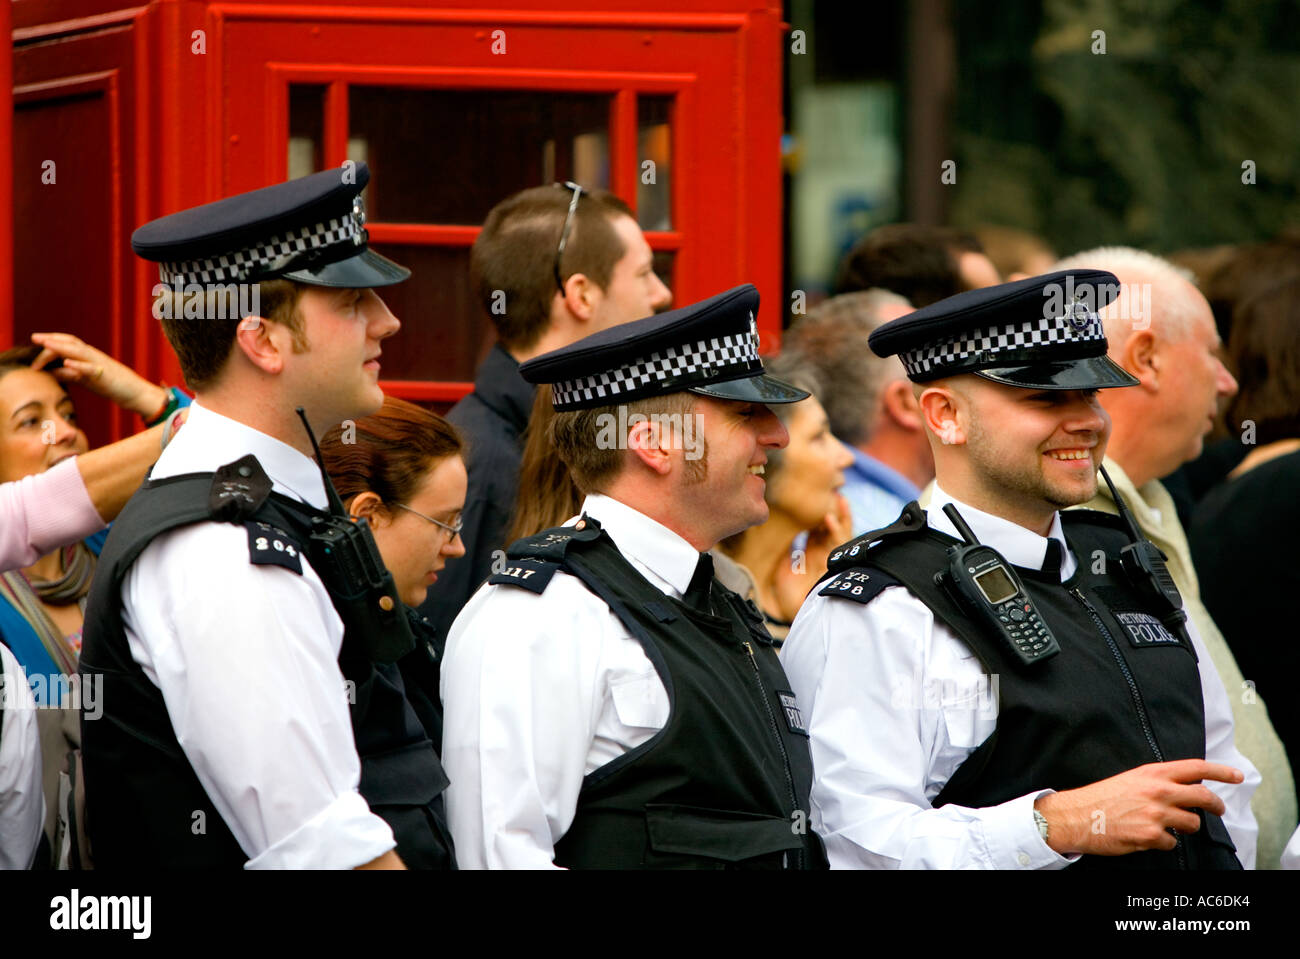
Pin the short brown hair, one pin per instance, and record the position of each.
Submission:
(203, 344)
(575, 436)
(514, 256)
(1265, 355)
(913, 260)
(21, 358)
(389, 452)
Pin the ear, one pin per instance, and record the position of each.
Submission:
(1140, 355)
(900, 405)
(581, 297)
(370, 507)
(645, 439)
(263, 343)
(943, 416)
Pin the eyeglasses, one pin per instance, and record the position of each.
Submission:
(568, 225)
(453, 530)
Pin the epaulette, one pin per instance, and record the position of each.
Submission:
(858, 585)
(271, 546)
(852, 553)
(532, 561)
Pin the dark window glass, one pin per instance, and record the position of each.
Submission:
(306, 129)
(449, 156)
(444, 333)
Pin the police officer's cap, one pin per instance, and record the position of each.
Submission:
(1039, 333)
(710, 347)
(311, 230)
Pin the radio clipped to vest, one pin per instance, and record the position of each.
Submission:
(344, 555)
(985, 585)
(1144, 567)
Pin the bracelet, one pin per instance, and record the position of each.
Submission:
(171, 429)
(172, 404)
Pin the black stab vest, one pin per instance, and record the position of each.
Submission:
(725, 784)
(1121, 693)
(143, 797)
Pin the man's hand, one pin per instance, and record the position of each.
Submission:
(1134, 810)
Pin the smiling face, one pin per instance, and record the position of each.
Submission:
(38, 425)
(1030, 452)
(812, 467)
(337, 377)
(413, 549)
(724, 492)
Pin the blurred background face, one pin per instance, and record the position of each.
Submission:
(29, 400)
(413, 549)
(811, 469)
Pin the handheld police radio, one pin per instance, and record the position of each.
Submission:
(1143, 565)
(344, 555)
(986, 585)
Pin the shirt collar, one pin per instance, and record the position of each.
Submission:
(649, 545)
(209, 441)
(1018, 546)
(882, 475)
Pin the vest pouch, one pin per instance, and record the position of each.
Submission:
(407, 776)
(721, 838)
(1217, 850)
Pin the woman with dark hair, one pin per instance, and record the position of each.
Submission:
(403, 470)
(778, 561)
(42, 605)
(1244, 533)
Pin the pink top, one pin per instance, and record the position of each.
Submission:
(42, 512)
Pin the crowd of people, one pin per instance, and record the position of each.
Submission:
(644, 599)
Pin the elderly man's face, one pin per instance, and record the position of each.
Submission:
(1192, 382)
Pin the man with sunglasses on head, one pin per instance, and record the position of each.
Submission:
(553, 264)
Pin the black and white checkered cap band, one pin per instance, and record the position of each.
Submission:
(1074, 329)
(241, 264)
(705, 361)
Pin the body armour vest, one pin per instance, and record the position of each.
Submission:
(143, 796)
(725, 783)
(1122, 692)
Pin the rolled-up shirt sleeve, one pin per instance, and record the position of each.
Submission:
(42, 512)
(896, 703)
(246, 659)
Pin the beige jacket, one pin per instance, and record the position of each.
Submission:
(1274, 802)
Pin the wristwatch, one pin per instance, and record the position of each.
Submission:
(1041, 822)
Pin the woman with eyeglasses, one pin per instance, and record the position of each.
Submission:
(403, 470)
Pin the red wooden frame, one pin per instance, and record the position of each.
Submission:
(193, 128)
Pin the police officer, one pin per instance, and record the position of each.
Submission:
(227, 664)
(608, 703)
(1033, 707)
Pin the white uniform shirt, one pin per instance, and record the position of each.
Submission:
(22, 801)
(246, 658)
(541, 689)
(895, 703)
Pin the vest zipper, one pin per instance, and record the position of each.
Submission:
(771, 718)
(1137, 699)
